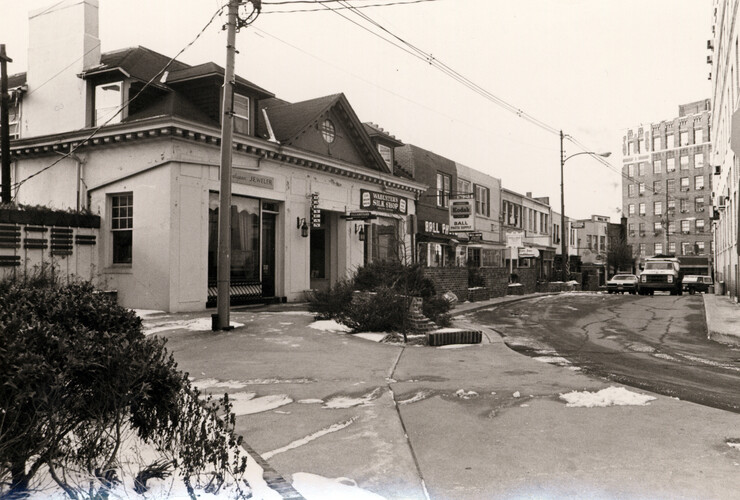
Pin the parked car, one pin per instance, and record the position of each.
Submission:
(620, 283)
(697, 283)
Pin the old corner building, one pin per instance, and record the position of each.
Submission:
(316, 193)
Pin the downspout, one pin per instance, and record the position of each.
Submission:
(80, 163)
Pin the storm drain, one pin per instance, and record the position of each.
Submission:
(447, 336)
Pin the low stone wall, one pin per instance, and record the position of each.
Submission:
(449, 279)
(496, 280)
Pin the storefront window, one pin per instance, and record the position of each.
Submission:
(491, 257)
(245, 238)
(385, 242)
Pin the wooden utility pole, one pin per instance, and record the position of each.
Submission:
(224, 211)
(4, 126)
(563, 228)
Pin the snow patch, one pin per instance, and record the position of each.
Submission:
(733, 443)
(329, 325)
(517, 394)
(375, 337)
(143, 313)
(611, 396)
(463, 394)
(314, 487)
(571, 308)
(553, 360)
(341, 402)
(245, 403)
(309, 401)
(419, 396)
(457, 346)
(194, 325)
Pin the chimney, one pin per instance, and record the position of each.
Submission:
(63, 42)
(529, 194)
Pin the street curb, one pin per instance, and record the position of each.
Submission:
(514, 298)
(713, 334)
(274, 480)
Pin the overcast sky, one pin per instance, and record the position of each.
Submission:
(589, 67)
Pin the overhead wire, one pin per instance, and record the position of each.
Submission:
(120, 109)
(363, 6)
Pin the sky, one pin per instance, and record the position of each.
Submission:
(589, 68)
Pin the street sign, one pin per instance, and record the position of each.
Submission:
(315, 211)
(577, 225)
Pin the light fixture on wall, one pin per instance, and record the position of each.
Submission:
(301, 224)
(360, 231)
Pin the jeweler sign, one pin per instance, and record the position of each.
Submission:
(383, 202)
(461, 214)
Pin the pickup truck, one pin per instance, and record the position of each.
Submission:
(697, 283)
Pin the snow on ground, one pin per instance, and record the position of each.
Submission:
(457, 346)
(374, 336)
(245, 403)
(314, 487)
(194, 325)
(144, 313)
(463, 394)
(553, 360)
(611, 396)
(311, 437)
(419, 396)
(329, 325)
(348, 402)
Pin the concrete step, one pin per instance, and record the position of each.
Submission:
(447, 336)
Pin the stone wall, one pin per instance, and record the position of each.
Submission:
(449, 279)
(496, 280)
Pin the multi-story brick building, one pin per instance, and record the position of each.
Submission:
(724, 57)
(667, 184)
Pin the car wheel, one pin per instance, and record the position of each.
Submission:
(692, 291)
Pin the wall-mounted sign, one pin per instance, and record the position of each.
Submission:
(473, 237)
(528, 252)
(359, 215)
(577, 225)
(250, 179)
(315, 211)
(461, 214)
(436, 227)
(514, 240)
(383, 202)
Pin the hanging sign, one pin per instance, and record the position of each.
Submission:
(315, 211)
(461, 214)
(383, 202)
(514, 240)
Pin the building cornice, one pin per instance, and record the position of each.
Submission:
(178, 128)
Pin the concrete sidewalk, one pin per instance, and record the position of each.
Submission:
(723, 318)
(471, 422)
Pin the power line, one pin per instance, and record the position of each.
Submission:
(364, 6)
(123, 106)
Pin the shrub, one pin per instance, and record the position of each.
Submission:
(379, 311)
(405, 279)
(436, 308)
(78, 375)
(332, 303)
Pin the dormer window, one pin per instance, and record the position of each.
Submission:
(108, 100)
(328, 132)
(386, 153)
(241, 114)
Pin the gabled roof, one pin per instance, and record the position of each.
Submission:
(288, 121)
(137, 62)
(212, 70)
(376, 131)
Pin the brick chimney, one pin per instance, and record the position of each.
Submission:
(63, 42)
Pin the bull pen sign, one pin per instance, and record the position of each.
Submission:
(383, 202)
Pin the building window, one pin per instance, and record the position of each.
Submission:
(641, 189)
(444, 182)
(672, 247)
(482, 199)
(670, 185)
(684, 162)
(657, 167)
(641, 169)
(672, 229)
(698, 136)
(630, 171)
(684, 205)
(657, 227)
(699, 225)
(684, 138)
(463, 187)
(631, 209)
(670, 141)
(670, 165)
(658, 248)
(656, 143)
(631, 190)
(699, 182)
(700, 248)
(108, 101)
(241, 114)
(658, 208)
(699, 203)
(122, 224)
(687, 248)
(631, 229)
(328, 132)
(699, 160)
(474, 257)
(685, 226)
(14, 120)
(657, 186)
(642, 229)
(589, 243)
(640, 145)
(386, 153)
(641, 249)
(684, 183)
(642, 209)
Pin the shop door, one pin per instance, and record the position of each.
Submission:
(268, 254)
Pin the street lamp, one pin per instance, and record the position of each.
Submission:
(563, 242)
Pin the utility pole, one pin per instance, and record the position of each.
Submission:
(224, 211)
(4, 126)
(563, 229)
